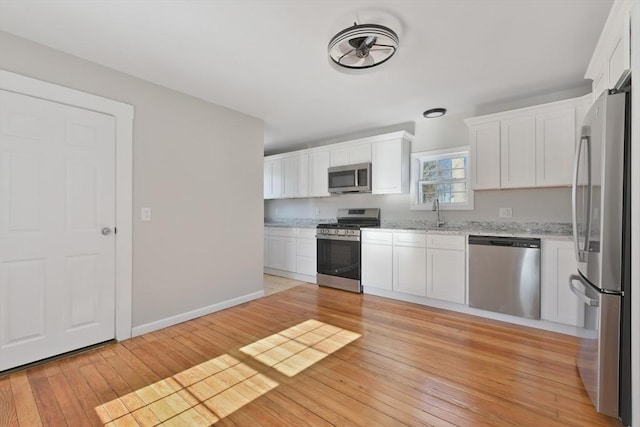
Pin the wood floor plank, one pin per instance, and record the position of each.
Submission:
(24, 400)
(8, 413)
(411, 365)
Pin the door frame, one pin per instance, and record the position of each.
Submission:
(123, 114)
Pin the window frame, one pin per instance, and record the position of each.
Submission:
(418, 157)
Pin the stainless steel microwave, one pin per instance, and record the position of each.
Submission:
(350, 178)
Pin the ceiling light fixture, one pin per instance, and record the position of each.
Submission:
(363, 46)
(435, 112)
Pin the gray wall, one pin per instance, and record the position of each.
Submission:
(529, 205)
(204, 245)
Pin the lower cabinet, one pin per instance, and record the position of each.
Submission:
(290, 252)
(558, 303)
(409, 263)
(283, 253)
(432, 266)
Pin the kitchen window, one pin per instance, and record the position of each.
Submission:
(441, 174)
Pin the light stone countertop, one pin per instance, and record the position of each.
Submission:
(555, 231)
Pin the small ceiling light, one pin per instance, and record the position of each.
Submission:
(363, 46)
(435, 112)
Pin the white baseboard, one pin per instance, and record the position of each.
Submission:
(539, 324)
(291, 275)
(179, 318)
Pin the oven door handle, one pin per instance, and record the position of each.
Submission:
(345, 269)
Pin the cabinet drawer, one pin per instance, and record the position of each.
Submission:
(282, 231)
(378, 237)
(439, 241)
(307, 233)
(410, 239)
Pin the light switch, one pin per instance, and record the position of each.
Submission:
(145, 214)
(505, 212)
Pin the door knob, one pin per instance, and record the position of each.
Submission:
(105, 231)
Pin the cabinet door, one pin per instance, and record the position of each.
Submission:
(485, 155)
(555, 147)
(390, 166)
(409, 270)
(377, 266)
(318, 175)
(558, 303)
(268, 172)
(446, 275)
(267, 258)
(339, 156)
(518, 152)
(289, 176)
(360, 153)
(276, 179)
(302, 187)
(283, 253)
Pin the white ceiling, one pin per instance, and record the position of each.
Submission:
(268, 58)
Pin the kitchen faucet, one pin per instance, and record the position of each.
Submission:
(436, 209)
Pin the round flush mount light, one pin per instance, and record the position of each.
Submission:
(363, 46)
(435, 112)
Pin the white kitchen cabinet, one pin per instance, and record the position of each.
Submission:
(377, 260)
(446, 268)
(485, 155)
(518, 152)
(610, 63)
(267, 251)
(409, 263)
(350, 153)
(302, 182)
(289, 176)
(529, 147)
(282, 248)
(409, 270)
(273, 178)
(390, 164)
(306, 251)
(554, 155)
(558, 303)
(318, 175)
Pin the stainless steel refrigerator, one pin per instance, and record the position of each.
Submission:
(601, 237)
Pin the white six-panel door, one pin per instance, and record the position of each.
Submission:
(57, 193)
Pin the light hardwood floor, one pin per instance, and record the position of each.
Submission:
(313, 356)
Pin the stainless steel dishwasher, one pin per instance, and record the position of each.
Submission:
(504, 275)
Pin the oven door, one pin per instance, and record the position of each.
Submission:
(338, 257)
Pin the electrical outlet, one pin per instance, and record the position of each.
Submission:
(505, 212)
(145, 214)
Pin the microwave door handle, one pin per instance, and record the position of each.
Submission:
(356, 177)
(585, 299)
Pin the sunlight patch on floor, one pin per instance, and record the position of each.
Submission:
(199, 396)
(293, 350)
(210, 391)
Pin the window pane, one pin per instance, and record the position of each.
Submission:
(445, 178)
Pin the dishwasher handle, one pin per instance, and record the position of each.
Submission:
(577, 292)
(509, 242)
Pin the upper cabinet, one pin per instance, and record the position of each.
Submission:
(525, 148)
(349, 153)
(610, 64)
(304, 173)
(390, 164)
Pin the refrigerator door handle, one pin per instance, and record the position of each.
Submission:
(585, 299)
(581, 253)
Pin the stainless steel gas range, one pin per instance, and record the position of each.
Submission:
(339, 248)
